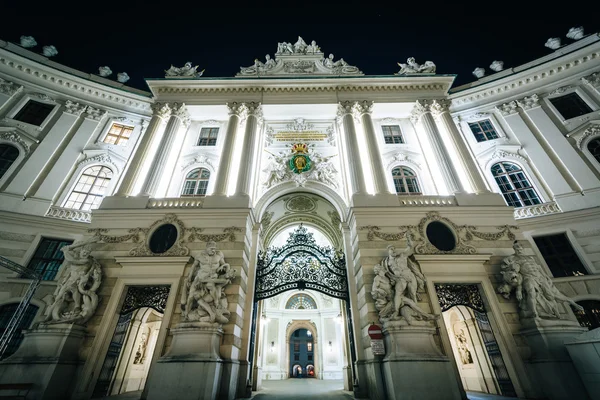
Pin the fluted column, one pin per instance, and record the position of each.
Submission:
(357, 179)
(441, 114)
(421, 116)
(363, 110)
(249, 143)
(161, 111)
(236, 112)
(179, 117)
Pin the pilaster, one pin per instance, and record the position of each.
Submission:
(249, 144)
(8, 89)
(357, 179)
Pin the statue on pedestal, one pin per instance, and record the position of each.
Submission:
(203, 298)
(187, 71)
(412, 67)
(534, 290)
(75, 299)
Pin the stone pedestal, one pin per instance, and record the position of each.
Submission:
(347, 373)
(192, 367)
(413, 367)
(550, 365)
(49, 358)
(585, 353)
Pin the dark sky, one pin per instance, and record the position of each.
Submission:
(143, 38)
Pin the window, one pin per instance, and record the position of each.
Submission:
(196, 182)
(6, 313)
(590, 316)
(405, 181)
(310, 357)
(309, 346)
(296, 346)
(483, 130)
(8, 155)
(593, 146)
(514, 185)
(34, 112)
(296, 357)
(301, 302)
(90, 188)
(570, 105)
(392, 134)
(118, 134)
(560, 255)
(48, 257)
(208, 137)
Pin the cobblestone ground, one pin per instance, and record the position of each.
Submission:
(302, 389)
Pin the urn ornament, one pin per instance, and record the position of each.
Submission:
(497, 66)
(575, 33)
(28, 41)
(553, 43)
(49, 51)
(122, 77)
(479, 72)
(104, 71)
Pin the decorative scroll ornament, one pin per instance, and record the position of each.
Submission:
(300, 125)
(133, 235)
(593, 79)
(161, 110)
(95, 113)
(178, 248)
(9, 88)
(374, 232)
(451, 295)
(507, 109)
(14, 137)
(421, 108)
(401, 157)
(529, 102)
(561, 90)
(187, 71)
(500, 154)
(103, 158)
(145, 296)
(200, 159)
(592, 131)
(229, 233)
(477, 116)
(412, 67)
(301, 264)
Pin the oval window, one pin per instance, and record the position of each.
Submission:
(163, 238)
(440, 236)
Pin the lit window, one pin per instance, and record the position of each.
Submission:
(208, 137)
(593, 146)
(118, 134)
(48, 257)
(90, 189)
(301, 302)
(392, 134)
(514, 185)
(590, 316)
(483, 130)
(560, 255)
(309, 346)
(34, 112)
(570, 106)
(8, 155)
(405, 181)
(196, 183)
(6, 313)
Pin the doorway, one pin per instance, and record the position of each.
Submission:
(302, 354)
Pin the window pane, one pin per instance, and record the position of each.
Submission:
(6, 313)
(48, 257)
(34, 112)
(392, 134)
(593, 147)
(118, 134)
(590, 316)
(514, 185)
(8, 155)
(208, 137)
(560, 255)
(571, 105)
(90, 189)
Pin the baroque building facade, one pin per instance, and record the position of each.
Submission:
(213, 227)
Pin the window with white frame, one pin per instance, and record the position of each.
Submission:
(34, 112)
(208, 137)
(483, 130)
(8, 155)
(90, 188)
(118, 134)
(514, 185)
(560, 256)
(593, 147)
(570, 105)
(392, 134)
(196, 182)
(405, 181)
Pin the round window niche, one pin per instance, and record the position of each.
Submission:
(440, 236)
(163, 238)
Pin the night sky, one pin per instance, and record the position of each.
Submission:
(143, 38)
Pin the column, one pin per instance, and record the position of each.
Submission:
(161, 111)
(236, 112)
(179, 117)
(565, 152)
(357, 179)
(249, 144)
(364, 109)
(421, 116)
(7, 91)
(439, 109)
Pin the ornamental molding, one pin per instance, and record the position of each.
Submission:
(13, 136)
(592, 80)
(477, 117)
(421, 107)
(330, 132)
(178, 248)
(399, 158)
(95, 114)
(590, 132)
(74, 86)
(211, 122)
(500, 154)
(228, 233)
(74, 108)
(529, 102)
(561, 90)
(102, 158)
(507, 109)
(161, 110)
(9, 88)
(390, 120)
(42, 96)
(300, 125)
(439, 106)
(199, 159)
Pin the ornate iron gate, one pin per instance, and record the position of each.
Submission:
(451, 295)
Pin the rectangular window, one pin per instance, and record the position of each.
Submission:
(118, 134)
(296, 346)
(208, 137)
(34, 112)
(309, 346)
(560, 255)
(296, 357)
(310, 357)
(483, 130)
(570, 105)
(392, 134)
(48, 257)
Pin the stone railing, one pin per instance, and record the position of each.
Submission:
(424, 201)
(69, 214)
(536, 210)
(176, 202)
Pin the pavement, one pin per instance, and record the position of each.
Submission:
(302, 389)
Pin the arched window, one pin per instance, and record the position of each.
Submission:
(590, 316)
(196, 182)
(405, 181)
(8, 155)
(6, 313)
(594, 148)
(90, 188)
(514, 185)
(301, 302)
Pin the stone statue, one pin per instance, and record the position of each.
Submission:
(203, 298)
(412, 67)
(534, 290)
(300, 46)
(75, 299)
(277, 171)
(323, 170)
(312, 48)
(463, 350)
(395, 287)
(258, 66)
(285, 48)
(187, 71)
(140, 354)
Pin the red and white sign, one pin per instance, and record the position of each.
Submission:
(375, 332)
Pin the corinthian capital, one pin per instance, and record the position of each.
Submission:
(179, 110)
(9, 88)
(255, 109)
(161, 110)
(421, 107)
(507, 109)
(439, 106)
(74, 108)
(344, 108)
(593, 79)
(238, 109)
(530, 102)
(362, 107)
(94, 113)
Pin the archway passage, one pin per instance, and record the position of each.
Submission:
(301, 355)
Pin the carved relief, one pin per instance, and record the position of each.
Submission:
(178, 248)
(300, 203)
(592, 131)
(229, 233)
(14, 137)
(593, 79)
(74, 108)
(507, 109)
(95, 113)
(9, 88)
(529, 102)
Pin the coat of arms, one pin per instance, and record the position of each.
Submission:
(300, 161)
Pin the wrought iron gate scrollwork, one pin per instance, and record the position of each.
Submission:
(301, 264)
(451, 295)
(146, 296)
